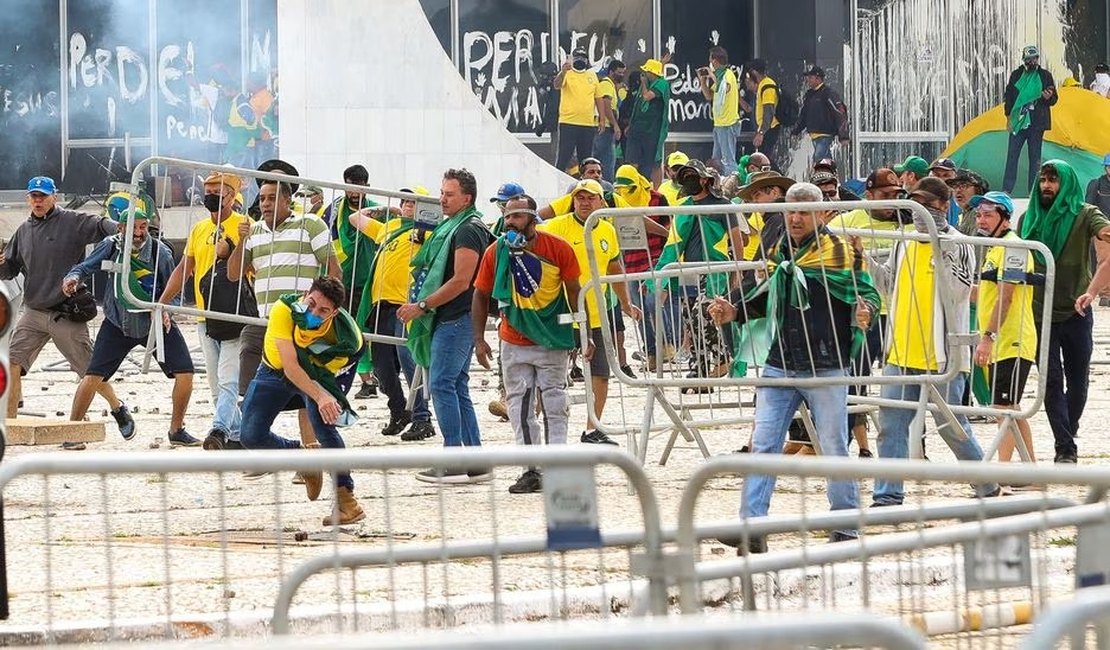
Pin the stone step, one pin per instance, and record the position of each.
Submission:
(51, 431)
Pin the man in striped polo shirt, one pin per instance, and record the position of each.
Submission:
(284, 253)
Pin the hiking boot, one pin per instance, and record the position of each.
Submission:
(595, 437)
(498, 408)
(124, 421)
(420, 430)
(366, 391)
(73, 446)
(397, 423)
(313, 481)
(181, 438)
(346, 509)
(215, 440)
(530, 481)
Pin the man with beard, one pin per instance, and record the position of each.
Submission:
(608, 134)
(126, 326)
(533, 276)
(1030, 96)
(965, 185)
(1060, 219)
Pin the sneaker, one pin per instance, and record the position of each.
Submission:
(1065, 459)
(233, 445)
(627, 369)
(530, 481)
(397, 423)
(576, 373)
(215, 440)
(124, 421)
(595, 437)
(866, 453)
(366, 391)
(755, 545)
(444, 476)
(73, 446)
(479, 474)
(499, 408)
(636, 356)
(181, 438)
(420, 430)
(842, 536)
(254, 476)
(746, 449)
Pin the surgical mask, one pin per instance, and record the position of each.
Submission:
(580, 64)
(515, 239)
(212, 202)
(691, 186)
(312, 321)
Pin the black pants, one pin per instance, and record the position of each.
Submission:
(770, 141)
(576, 141)
(1035, 138)
(388, 363)
(1069, 359)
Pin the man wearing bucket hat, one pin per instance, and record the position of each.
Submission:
(766, 228)
(649, 125)
(1007, 330)
(126, 326)
(1030, 96)
(44, 248)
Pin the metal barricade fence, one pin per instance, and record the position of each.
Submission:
(1070, 618)
(686, 633)
(150, 545)
(683, 405)
(968, 570)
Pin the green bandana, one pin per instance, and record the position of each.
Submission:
(822, 257)
(540, 325)
(428, 268)
(314, 359)
(1052, 226)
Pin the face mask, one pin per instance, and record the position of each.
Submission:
(515, 239)
(940, 220)
(312, 321)
(580, 64)
(691, 186)
(212, 202)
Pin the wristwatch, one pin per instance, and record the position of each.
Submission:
(991, 335)
(423, 305)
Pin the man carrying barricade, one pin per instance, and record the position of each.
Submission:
(206, 251)
(284, 253)
(43, 249)
(571, 228)
(1007, 328)
(309, 340)
(126, 325)
(438, 316)
(1058, 218)
(533, 277)
(919, 326)
(399, 239)
(806, 320)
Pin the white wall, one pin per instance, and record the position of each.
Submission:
(366, 81)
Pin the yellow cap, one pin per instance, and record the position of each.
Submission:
(654, 66)
(588, 185)
(677, 158)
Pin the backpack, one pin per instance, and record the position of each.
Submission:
(787, 109)
(224, 296)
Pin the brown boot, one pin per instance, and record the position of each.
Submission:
(349, 511)
(313, 481)
(791, 448)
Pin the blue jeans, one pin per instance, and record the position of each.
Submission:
(449, 379)
(1070, 344)
(269, 394)
(894, 430)
(724, 147)
(221, 360)
(1035, 139)
(776, 408)
(822, 148)
(644, 298)
(604, 151)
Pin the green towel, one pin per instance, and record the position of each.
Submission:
(1053, 225)
(1029, 87)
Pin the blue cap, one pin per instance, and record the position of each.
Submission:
(508, 191)
(998, 198)
(1106, 160)
(41, 184)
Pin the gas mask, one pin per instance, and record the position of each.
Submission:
(515, 239)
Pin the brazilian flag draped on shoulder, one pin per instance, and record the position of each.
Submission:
(140, 279)
(366, 304)
(316, 358)
(823, 257)
(354, 251)
(530, 294)
(715, 238)
(429, 265)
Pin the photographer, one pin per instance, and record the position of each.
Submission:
(44, 248)
(577, 85)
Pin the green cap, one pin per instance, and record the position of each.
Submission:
(916, 164)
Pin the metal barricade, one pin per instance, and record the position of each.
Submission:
(685, 633)
(150, 545)
(969, 570)
(1070, 619)
(660, 401)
